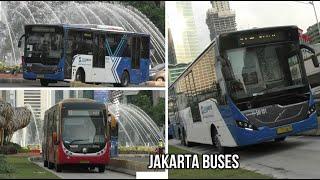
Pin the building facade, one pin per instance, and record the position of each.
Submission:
(172, 59)
(220, 18)
(185, 36)
(314, 34)
(176, 70)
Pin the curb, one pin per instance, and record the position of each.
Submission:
(12, 80)
(117, 165)
(127, 166)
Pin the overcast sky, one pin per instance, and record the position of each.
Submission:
(258, 14)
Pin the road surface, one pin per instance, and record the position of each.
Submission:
(298, 157)
(85, 174)
(32, 83)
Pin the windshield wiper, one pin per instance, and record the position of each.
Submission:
(76, 141)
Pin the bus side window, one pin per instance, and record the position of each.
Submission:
(87, 44)
(99, 51)
(135, 53)
(144, 48)
(127, 48)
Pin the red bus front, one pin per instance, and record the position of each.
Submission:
(84, 137)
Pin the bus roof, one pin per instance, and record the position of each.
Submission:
(229, 33)
(77, 100)
(91, 27)
(259, 29)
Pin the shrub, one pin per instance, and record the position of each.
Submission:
(10, 148)
(136, 150)
(5, 168)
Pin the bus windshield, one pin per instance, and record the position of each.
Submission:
(83, 127)
(253, 71)
(43, 45)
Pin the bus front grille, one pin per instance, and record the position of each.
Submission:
(276, 115)
(41, 69)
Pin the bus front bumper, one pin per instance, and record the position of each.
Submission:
(57, 76)
(244, 137)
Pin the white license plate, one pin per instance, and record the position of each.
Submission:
(40, 76)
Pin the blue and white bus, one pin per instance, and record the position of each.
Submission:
(245, 88)
(86, 53)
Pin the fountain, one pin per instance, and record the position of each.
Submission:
(136, 128)
(19, 13)
(30, 135)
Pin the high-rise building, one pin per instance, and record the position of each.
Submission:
(172, 59)
(176, 70)
(314, 34)
(220, 18)
(185, 36)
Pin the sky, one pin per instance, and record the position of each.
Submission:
(251, 14)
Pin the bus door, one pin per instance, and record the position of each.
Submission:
(98, 70)
(135, 75)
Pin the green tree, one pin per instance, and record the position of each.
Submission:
(152, 10)
(144, 100)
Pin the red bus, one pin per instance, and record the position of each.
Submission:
(76, 133)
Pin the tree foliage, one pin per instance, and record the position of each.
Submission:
(152, 10)
(144, 100)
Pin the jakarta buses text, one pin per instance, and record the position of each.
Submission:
(192, 161)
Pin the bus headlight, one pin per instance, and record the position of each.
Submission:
(245, 125)
(311, 110)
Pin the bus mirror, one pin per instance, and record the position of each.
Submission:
(54, 137)
(315, 60)
(19, 44)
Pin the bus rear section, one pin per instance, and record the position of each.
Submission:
(77, 134)
(119, 58)
(43, 53)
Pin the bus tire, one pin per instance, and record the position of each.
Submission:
(185, 141)
(44, 82)
(80, 76)
(50, 165)
(280, 139)
(58, 167)
(125, 79)
(102, 168)
(45, 163)
(160, 79)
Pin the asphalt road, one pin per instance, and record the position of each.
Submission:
(86, 174)
(31, 83)
(298, 157)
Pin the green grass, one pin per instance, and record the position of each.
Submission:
(24, 169)
(210, 173)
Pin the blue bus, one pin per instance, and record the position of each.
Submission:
(245, 88)
(86, 53)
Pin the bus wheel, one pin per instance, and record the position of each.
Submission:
(45, 163)
(125, 79)
(280, 139)
(185, 141)
(50, 165)
(182, 137)
(160, 79)
(44, 82)
(80, 76)
(221, 149)
(217, 144)
(58, 168)
(102, 168)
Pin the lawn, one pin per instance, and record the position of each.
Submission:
(24, 169)
(210, 173)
